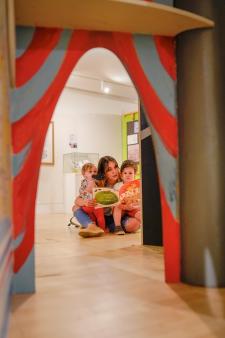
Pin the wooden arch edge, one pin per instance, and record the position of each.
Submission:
(133, 16)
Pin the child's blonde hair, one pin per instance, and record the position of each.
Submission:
(86, 167)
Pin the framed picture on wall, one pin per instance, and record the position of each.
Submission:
(133, 152)
(132, 140)
(48, 150)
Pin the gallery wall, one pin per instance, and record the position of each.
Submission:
(94, 121)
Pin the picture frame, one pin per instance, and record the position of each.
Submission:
(132, 140)
(48, 150)
(133, 152)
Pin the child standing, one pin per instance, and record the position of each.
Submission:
(85, 192)
(128, 171)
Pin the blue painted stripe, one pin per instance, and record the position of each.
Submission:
(19, 159)
(24, 36)
(6, 251)
(18, 240)
(167, 168)
(163, 84)
(24, 279)
(5, 320)
(5, 227)
(5, 296)
(24, 98)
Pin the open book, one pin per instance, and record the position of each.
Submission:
(129, 194)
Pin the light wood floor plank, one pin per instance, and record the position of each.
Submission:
(109, 287)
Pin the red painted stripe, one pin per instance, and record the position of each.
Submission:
(171, 242)
(22, 252)
(122, 45)
(24, 129)
(34, 125)
(24, 196)
(166, 50)
(164, 123)
(43, 42)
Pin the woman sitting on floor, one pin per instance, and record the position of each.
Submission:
(108, 170)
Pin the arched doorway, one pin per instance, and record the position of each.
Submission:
(52, 54)
(96, 123)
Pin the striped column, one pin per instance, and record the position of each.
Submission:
(40, 55)
(6, 254)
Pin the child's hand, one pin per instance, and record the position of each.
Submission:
(90, 203)
(126, 206)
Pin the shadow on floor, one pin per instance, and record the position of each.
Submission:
(19, 300)
(207, 303)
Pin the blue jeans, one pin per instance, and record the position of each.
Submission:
(84, 220)
(82, 217)
(109, 222)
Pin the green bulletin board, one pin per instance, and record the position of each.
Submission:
(130, 138)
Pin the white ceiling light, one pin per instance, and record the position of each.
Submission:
(106, 90)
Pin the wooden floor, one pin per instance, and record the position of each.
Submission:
(109, 287)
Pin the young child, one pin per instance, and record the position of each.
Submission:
(85, 192)
(128, 205)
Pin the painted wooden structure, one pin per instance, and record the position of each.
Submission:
(45, 58)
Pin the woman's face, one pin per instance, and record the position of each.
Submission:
(112, 173)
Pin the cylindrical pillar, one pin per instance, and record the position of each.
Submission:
(201, 112)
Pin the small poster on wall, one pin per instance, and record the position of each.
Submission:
(136, 127)
(132, 139)
(48, 150)
(72, 141)
(133, 152)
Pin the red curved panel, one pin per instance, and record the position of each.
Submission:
(33, 127)
(166, 50)
(164, 123)
(171, 242)
(43, 42)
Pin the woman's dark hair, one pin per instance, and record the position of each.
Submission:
(103, 165)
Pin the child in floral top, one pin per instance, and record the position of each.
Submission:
(85, 192)
(130, 201)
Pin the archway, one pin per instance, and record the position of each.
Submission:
(88, 124)
(51, 55)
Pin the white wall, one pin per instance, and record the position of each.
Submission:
(96, 122)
